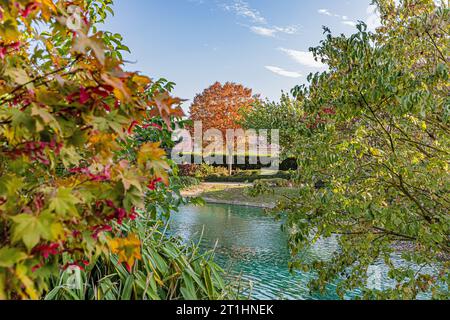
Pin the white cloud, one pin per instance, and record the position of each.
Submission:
(287, 30)
(266, 32)
(344, 19)
(283, 72)
(305, 58)
(260, 25)
(325, 12)
(349, 23)
(273, 31)
(243, 9)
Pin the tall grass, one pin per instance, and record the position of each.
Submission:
(169, 270)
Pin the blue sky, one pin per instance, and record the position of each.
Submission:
(262, 44)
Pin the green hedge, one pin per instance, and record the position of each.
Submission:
(285, 165)
(246, 177)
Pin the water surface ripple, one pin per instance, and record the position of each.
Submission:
(252, 245)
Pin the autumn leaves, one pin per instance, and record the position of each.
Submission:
(65, 105)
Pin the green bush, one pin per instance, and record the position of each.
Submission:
(276, 182)
(186, 182)
(268, 186)
(210, 173)
(206, 170)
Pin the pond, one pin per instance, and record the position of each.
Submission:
(252, 245)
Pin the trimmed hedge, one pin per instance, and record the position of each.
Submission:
(286, 165)
(246, 177)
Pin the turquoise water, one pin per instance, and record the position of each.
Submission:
(252, 245)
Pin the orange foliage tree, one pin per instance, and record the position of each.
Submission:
(219, 106)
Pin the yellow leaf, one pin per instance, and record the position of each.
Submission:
(18, 76)
(82, 43)
(121, 92)
(31, 293)
(47, 8)
(131, 178)
(424, 126)
(150, 152)
(46, 117)
(151, 157)
(375, 152)
(141, 80)
(127, 249)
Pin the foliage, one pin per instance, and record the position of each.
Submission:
(283, 116)
(65, 106)
(268, 186)
(201, 171)
(377, 137)
(275, 183)
(187, 182)
(206, 170)
(247, 176)
(163, 192)
(219, 106)
(168, 270)
(187, 170)
(210, 173)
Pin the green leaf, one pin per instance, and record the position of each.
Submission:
(31, 229)
(64, 203)
(10, 256)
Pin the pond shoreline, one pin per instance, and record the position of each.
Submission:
(222, 193)
(233, 194)
(239, 203)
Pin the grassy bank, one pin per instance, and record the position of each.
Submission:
(236, 193)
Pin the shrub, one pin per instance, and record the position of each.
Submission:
(275, 183)
(246, 177)
(267, 186)
(188, 170)
(206, 170)
(186, 182)
(201, 171)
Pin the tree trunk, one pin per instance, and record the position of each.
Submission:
(230, 161)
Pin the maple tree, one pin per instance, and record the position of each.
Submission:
(220, 106)
(65, 105)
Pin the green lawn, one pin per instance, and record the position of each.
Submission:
(236, 194)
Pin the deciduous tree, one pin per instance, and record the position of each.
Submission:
(65, 103)
(377, 139)
(219, 106)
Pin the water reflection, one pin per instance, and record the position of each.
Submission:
(250, 244)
